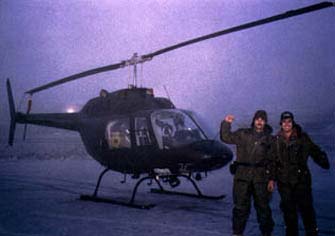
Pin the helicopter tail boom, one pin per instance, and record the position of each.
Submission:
(12, 113)
(67, 121)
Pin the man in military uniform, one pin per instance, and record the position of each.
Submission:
(292, 149)
(254, 172)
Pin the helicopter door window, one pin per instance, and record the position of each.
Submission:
(142, 132)
(117, 134)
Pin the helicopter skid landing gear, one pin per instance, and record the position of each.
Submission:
(161, 190)
(131, 203)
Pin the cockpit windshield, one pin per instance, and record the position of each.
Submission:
(174, 128)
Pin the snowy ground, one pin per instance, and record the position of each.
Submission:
(42, 179)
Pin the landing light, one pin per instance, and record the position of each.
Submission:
(70, 110)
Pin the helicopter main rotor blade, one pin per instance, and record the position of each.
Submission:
(263, 21)
(77, 76)
(140, 59)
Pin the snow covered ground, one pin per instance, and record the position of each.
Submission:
(42, 179)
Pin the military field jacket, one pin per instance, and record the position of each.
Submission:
(292, 156)
(253, 150)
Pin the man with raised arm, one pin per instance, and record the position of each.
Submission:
(253, 171)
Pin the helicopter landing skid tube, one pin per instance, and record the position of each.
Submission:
(161, 190)
(131, 203)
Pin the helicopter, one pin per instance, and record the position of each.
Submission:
(132, 132)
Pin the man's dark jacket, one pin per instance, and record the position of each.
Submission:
(254, 152)
(292, 156)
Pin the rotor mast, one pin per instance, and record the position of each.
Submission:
(133, 61)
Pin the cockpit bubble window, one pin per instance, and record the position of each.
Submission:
(142, 132)
(174, 128)
(117, 134)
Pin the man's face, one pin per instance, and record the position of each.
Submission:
(287, 125)
(259, 124)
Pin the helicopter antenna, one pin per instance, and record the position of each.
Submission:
(217, 135)
(135, 59)
(167, 92)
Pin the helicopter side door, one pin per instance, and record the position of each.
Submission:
(142, 132)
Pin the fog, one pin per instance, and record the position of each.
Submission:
(286, 65)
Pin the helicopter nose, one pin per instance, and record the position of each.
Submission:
(213, 154)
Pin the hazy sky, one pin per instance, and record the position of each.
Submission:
(287, 65)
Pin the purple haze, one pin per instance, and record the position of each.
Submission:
(287, 65)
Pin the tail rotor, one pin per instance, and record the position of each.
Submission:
(12, 114)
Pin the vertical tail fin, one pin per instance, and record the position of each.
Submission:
(12, 114)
